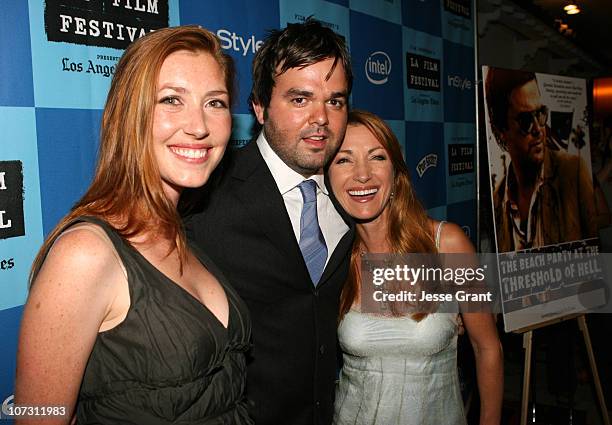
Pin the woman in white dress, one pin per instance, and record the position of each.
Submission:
(401, 369)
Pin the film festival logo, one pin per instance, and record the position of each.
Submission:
(460, 159)
(423, 72)
(378, 68)
(103, 23)
(459, 7)
(11, 199)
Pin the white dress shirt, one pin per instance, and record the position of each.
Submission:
(287, 180)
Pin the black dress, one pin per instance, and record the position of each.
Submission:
(171, 361)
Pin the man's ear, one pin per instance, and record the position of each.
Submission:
(259, 112)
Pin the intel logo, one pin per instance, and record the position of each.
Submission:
(378, 68)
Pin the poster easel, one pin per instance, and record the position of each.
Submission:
(504, 167)
(527, 346)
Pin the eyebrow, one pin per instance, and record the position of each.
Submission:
(307, 93)
(297, 92)
(216, 92)
(350, 151)
(175, 88)
(178, 89)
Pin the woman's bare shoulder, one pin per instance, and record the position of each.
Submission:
(454, 240)
(83, 255)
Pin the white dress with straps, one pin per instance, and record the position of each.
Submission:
(397, 371)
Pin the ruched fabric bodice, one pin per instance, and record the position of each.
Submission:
(397, 371)
(170, 361)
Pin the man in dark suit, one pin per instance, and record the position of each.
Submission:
(282, 243)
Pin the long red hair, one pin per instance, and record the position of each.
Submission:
(409, 227)
(126, 190)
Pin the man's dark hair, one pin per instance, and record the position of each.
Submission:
(499, 85)
(297, 46)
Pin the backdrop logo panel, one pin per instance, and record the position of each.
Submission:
(423, 72)
(425, 159)
(457, 24)
(460, 161)
(334, 16)
(422, 15)
(20, 218)
(241, 36)
(458, 83)
(70, 156)
(377, 65)
(389, 10)
(68, 71)
(16, 88)
(428, 161)
(103, 23)
(11, 201)
(422, 96)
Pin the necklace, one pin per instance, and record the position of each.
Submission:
(380, 260)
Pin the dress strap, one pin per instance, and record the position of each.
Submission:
(439, 233)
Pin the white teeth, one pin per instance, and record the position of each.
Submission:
(362, 192)
(316, 137)
(189, 153)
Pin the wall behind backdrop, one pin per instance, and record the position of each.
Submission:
(413, 62)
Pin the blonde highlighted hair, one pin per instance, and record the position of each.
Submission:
(409, 227)
(127, 190)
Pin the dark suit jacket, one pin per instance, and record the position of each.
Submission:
(244, 227)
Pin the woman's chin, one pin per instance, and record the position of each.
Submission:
(365, 217)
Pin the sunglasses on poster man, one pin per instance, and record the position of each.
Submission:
(526, 119)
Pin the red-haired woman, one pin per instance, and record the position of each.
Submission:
(401, 369)
(126, 323)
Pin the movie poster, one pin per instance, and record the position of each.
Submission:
(542, 192)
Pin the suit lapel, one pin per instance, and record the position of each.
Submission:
(257, 190)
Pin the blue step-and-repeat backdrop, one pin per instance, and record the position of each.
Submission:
(413, 63)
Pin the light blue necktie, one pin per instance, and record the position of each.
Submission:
(312, 243)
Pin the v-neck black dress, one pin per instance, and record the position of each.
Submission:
(171, 361)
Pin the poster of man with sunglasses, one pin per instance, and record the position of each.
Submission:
(539, 157)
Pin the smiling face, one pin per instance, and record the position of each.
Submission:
(525, 147)
(306, 118)
(191, 122)
(361, 176)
